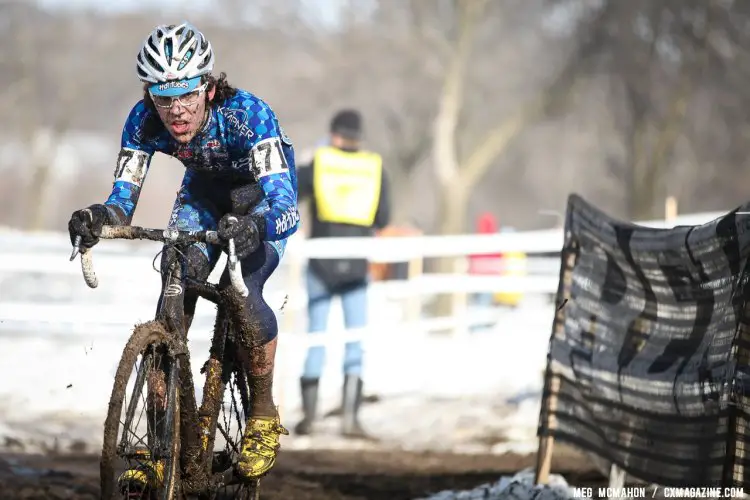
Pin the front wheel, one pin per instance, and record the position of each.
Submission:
(141, 434)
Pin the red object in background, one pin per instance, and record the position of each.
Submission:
(486, 223)
(486, 263)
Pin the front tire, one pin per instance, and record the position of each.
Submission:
(145, 362)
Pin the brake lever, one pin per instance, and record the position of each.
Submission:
(77, 242)
(76, 248)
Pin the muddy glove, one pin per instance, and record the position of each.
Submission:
(244, 230)
(87, 223)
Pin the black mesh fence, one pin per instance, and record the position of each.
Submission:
(648, 359)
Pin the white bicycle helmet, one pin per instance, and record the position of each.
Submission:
(174, 52)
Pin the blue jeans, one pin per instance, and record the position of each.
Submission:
(354, 303)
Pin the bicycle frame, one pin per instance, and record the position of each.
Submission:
(198, 425)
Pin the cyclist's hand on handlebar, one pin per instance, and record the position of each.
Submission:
(244, 230)
(87, 223)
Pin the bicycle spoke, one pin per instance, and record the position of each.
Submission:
(136, 464)
(230, 427)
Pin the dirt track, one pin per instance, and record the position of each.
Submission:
(308, 475)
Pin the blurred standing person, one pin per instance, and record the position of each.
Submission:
(348, 192)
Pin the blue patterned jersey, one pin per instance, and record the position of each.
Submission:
(241, 139)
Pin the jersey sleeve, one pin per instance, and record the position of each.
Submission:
(272, 164)
(132, 166)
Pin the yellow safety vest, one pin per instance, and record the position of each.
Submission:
(347, 185)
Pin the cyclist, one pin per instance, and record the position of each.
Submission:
(239, 162)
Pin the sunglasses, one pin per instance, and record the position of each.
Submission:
(163, 101)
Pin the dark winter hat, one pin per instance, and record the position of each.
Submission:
(347, 123)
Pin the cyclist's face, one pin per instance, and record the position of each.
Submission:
(183, 115)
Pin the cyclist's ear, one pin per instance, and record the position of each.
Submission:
(211, 92)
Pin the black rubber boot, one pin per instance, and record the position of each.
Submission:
(309, 388)
(352, 401)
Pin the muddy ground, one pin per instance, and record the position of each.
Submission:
(305, 475)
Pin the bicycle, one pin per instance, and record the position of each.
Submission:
(178, 432)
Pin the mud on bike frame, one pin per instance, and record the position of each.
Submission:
(202, 471)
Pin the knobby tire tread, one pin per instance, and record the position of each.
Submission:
(145, 334)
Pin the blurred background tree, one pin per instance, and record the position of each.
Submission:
(476, 105)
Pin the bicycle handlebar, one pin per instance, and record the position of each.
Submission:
(164, 236)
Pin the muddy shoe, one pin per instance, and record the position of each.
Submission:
(146, 475)
(260, 444)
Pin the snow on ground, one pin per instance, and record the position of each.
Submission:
(476, 393)
(60, 343)
(517, 487)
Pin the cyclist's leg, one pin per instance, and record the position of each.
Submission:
(258, 337)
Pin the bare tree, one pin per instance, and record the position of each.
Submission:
(473, 110)
(459, 159)
(660, 56)
(657, 66)
(49, 66)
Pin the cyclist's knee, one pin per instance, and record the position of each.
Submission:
(261, 325)
(268, 327)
